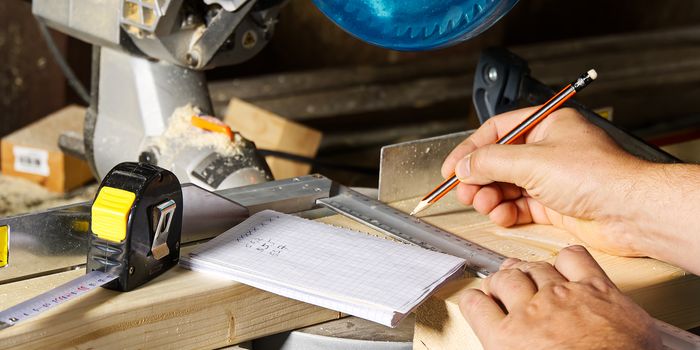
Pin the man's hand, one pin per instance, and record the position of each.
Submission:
(571, 305)
(568, 173)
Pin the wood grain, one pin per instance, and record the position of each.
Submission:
(181, 309)
(186, 309)
(273, 132)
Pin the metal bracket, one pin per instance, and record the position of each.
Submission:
(162, 217)
(218, 31)
(497, 81)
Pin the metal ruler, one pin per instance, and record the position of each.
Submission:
(410, 229)
(54, 297)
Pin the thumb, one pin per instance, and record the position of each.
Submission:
(497, 163)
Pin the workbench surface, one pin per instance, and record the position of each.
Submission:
(185, 309)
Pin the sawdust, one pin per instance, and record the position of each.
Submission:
(180, 138)
(180, 134)
(19, 196)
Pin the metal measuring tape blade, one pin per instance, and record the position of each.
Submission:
(136, 226)
(54, 297)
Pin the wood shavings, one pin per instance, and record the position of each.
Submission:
(180, 134)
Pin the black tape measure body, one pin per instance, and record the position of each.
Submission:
(133, 258)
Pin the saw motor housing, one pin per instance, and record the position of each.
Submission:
(148, 61)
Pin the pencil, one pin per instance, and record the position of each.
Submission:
(550, 106)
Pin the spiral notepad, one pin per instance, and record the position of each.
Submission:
(336, 268)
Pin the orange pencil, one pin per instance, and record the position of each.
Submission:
(550, 106)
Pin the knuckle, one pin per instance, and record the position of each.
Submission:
(561, 291)
(535, 266)
(558, 290)
(567, 115)
(601, 284)
(506, 280)
(490, 123)
(472, 300)
(570, 113)
(479, 156)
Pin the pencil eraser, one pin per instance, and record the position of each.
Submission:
(593, 74)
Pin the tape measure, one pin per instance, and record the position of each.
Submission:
(54, 297)
(136, 225)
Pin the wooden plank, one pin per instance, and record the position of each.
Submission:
(192, 310)
(295, 83)
(299, 83)
(39, 144)
(270, 131)
(665, 291)
(181, 308)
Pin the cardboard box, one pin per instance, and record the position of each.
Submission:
(272, 132)
(32, 152)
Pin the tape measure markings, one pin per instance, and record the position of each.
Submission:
(54, 297)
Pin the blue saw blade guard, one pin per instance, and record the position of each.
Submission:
(414, 25)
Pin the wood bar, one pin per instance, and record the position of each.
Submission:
(180, 309)
(186, 309)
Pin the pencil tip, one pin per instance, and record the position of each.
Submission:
(420, 207)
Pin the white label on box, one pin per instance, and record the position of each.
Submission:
(31, 160)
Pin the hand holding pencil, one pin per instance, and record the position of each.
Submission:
(526, 125)
(564, 172)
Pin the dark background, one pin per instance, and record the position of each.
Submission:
(31, 85)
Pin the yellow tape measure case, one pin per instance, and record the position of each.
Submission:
(136, 224)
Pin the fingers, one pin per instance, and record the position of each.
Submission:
(499, 192)
(481, 311)
(493, 129)
(505, 214)
(461, 151)
(502, 202)
(511, 286)
(465, 193)
(499, 163)
(487, 198)
(540, 272)
(511, 213)
(577, 264)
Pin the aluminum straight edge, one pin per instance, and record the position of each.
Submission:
(409, 229)
(287, 196)
(411, 169)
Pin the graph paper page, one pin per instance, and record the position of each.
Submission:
(369, 277)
